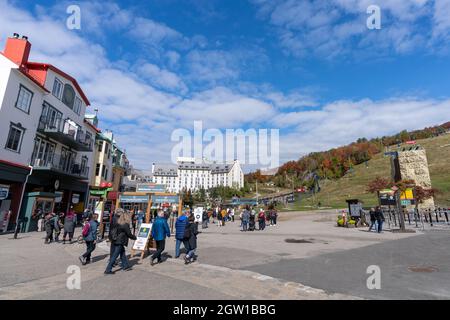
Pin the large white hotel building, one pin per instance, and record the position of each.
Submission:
(188, 174)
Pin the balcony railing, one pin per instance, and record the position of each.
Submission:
(60, 164)
(66, 133)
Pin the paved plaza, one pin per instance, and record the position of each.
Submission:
(304, 257)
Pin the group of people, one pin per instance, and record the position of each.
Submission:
(249, 216)
(120, 234)
(55, 223)
(376, 219)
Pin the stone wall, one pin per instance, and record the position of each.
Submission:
(414, 166)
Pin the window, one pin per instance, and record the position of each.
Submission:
(24, 99)
(106, 174)
(106, 148)
(57, 88)
(43, 152)
(100, 146)
(15, 137)
(97, 170)
(77, 107)
(68, 97)
(103, 171)
(51, 117)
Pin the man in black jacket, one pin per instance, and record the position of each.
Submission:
(380, 219)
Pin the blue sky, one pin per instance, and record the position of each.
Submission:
(310, 68)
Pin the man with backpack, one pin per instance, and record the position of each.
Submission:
(90, 237)
(180, 226)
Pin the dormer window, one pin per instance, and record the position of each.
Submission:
(68, 97)
(57, 88)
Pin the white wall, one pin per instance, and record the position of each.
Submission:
(10, 80)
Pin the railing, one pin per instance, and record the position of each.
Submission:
(70, 131)
(61, 164)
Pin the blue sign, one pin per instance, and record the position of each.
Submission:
(133, 199)
(151, 188)
(165, 199)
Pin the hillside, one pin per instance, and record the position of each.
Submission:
(353, 185)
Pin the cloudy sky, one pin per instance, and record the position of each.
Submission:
(311, 69)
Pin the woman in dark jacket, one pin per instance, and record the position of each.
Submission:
(69, 225)
(190, 240)
(119, 235)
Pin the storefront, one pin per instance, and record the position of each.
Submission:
(12, 178)
(63, 190)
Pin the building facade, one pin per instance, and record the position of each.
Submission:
(43, 137)
(188, 174)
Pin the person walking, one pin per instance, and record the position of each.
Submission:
(160, 230)
(58, 225)
(232, 214)
(273, 216)
(180, 226)
(261, 219)
(49, 226)
(380, 219)
(224, 216)
(90, 237)
(219, 218)
(69, 225)
(205, 219)
(190, 240)
(373, 219)
(120, 234)
(245, 218)
(113, 231)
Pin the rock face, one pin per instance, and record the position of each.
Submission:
(414, 166)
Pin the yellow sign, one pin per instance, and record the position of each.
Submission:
(407, 194)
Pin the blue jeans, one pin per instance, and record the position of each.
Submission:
(118, 250)
(177, 247)
(380, 225)
(244, 225)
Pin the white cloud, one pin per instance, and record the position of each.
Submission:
(331, 28)
(342, 122)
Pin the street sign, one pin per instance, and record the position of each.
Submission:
(151, 187)
(133, 199)
(405, 202)
(165, 199)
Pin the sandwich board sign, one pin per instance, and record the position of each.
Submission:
(198, 214)
(142, 237)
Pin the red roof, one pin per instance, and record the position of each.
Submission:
(92, 126)
(46, 66)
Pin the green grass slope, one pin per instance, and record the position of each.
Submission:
(354, 185)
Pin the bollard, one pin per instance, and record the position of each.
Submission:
(431, 219)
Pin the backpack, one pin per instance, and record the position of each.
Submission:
(187, 232)
(114, 233)
(86, 229)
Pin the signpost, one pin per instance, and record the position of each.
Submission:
(142, 242)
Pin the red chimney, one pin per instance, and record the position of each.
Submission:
(17, 50)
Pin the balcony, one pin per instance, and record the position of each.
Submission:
(61, 165)
(66, 133)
